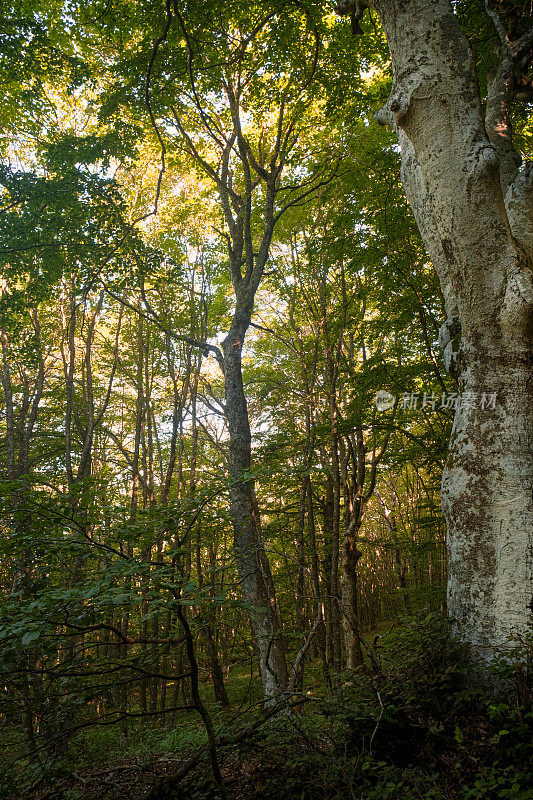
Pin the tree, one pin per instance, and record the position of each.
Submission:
(240, 124)
(473, 203)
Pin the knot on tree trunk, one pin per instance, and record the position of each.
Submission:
(399, 100)
(352, 553)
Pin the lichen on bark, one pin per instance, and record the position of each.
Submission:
(476, 219)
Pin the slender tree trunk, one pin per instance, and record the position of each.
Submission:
(139, 408)
(253, 568)
(400, 565)
(331, 630)
(349, 589)
(221, 696)
(69, 365)
(301, 603)
(209, 628)
(336, 616)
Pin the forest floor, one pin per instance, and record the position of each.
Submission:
(419, 729)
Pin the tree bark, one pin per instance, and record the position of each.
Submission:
(473, 206)
(253, 568)
(350, 617)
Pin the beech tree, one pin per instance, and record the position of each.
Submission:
(472, 198)
(239, 111)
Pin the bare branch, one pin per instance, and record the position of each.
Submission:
(158, 42)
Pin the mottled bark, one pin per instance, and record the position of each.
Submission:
(473, 205)
(255, 577)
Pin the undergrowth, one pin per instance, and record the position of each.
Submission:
(421, 725)
(426, 726)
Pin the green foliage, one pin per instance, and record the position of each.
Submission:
(113, 441)
(420, 729)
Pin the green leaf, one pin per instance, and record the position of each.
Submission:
(29, 637)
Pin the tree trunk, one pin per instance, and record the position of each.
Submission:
(217, 676)
(473, 208)
(350, 617)
(253, 568)
(487, 502)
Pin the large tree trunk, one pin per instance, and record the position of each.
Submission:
(253, 568)
(457, 169)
